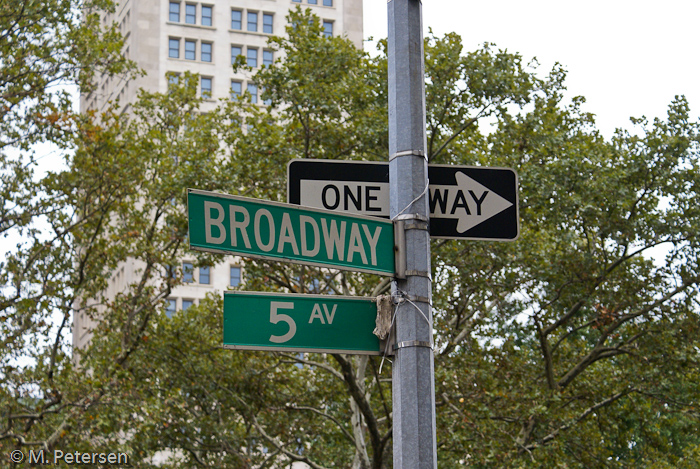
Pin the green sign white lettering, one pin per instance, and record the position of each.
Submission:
(270, 230)
(300, 323)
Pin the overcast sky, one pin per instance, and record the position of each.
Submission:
(628, 58)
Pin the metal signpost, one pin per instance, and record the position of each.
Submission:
(414, 436)
(269, 230)
(465, 202)
(300, 323)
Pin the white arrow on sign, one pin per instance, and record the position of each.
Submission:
(469, 202)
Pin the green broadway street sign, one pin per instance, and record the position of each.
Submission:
(247, 227)
(300, 323)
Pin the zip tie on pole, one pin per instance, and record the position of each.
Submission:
(420, 311)
(413, 201)
(400, 297)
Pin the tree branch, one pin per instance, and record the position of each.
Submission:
(582, 416)
(593, 355)
(323, 414)
(280, 447)
(323, 366)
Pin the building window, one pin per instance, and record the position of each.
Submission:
(174, 12)
(190, 13)
(236, 90)
(186, 304)
(204, 275)
(235, 52)
(235, 274)
(267, 101)
(206, 16)
(268, 58)
(190, 50)
(252, 57)
(174, 48)
(267, 23)
(236, 19)
(328, 28)
(206, 87)
(327, 3)
(296, 1)
(313, 2)
(206, 52)
(170, 307)
(173, 79)
(252, 21)
(187, 272)
(253, 90)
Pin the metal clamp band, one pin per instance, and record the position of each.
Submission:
(408, 153)
(413, 343)
(418, 273)
(411, 216)
(419, 225)
(421, 299)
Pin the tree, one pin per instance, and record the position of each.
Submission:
(570, 347)
(44, 48)
(44, 45)
(105, 221)
(572, 330)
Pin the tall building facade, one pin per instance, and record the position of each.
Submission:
(169, 37)
(205, 37)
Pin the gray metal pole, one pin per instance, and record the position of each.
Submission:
(413, 369)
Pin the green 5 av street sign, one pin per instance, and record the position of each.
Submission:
(300, 323)
(270, 230)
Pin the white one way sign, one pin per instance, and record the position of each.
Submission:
(465, 202)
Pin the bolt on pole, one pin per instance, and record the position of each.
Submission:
(414, 433)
